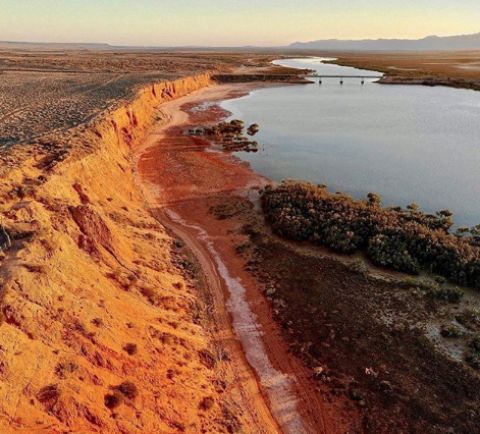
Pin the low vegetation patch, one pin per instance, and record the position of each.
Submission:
(406, 240)
(436, 289)
(230, 135)
(130, 348)
(452, 331)
(472, 355)
(206, 403)
(128, 389)
(49, 395)
(470, 319)
(113, 400)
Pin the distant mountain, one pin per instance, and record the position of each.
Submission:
(52, 46)
(430, 43)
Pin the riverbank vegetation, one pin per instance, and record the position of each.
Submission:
(229, 135)
(407, 240)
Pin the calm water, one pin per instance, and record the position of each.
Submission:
(408, 143)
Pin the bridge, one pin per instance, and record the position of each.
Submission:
(342, 77)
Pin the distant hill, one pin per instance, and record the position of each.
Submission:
(430, 43)
(52, 46)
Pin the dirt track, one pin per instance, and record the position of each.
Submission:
(248, 395)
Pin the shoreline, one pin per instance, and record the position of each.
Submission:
(250, 397)
(190, 200)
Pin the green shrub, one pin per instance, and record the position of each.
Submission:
(391, 251)
(402, 239)
(358, 266)
(452, 295)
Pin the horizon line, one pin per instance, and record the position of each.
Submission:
(109, 44)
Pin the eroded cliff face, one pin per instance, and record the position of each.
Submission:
(101, 325)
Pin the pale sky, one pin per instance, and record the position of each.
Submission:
(231, 22)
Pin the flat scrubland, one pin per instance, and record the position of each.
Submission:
(403, 349)
(457, 64)
(35, 103)
(455, 69)
(50, 92)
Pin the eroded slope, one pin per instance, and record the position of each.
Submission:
(101, 323)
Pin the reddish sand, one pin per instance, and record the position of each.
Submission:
(182, 178)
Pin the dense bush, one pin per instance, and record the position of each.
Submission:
(402, 239)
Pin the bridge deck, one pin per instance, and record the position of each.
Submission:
(345, 76)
